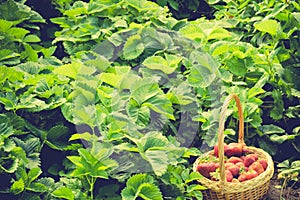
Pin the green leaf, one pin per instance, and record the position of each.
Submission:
(31, 53)
(17, 187)
(219, 48)
(281, 138)
(37, 187)
(11, 166)
(237, 66)
(100, 63)
(112, 79)
(84, 136)
(219, 33)
(268, 26)
(201, 76)
(140, 115)
(18, 33)
(33, 174)
(133, 47)
(31, 38)
(10, 11)
(278, 108)
(271, 129)
(69, 70)
(193, 176)
(296, 15)
(254, 91)
(5, 25)
(192, 31)
(284, 164)
(141, 185)
(158, 160)
(87, 156)
(161, 104)
(144, 90)
(150, 192)
(58, 137)
(48, 52)
(64, 193)
(204, 69)
(269, 147)
(159, 63)
(191, 188)
(76, 160)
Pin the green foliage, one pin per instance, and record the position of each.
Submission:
(90, 165)
(19, 37)
(257, 62)
(288, 172)
(99, 20)
(141, 186)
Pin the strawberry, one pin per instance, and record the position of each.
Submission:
(217, 165)
(243, 158)
(206, 168)
(256, 166)
(264, 163)
(240, 164)
(234, 160)
(249, 160)
(228, 164)
(234, 149)
(235, 170)
(228, 176)
(251, 174)
(242, 177)
(253, 155)
(216, 150)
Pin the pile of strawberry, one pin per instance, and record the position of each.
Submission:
(240, 164)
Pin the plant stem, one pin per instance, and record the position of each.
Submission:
(92, 187)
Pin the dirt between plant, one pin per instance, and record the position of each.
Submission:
(277, 192)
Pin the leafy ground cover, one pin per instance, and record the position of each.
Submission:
(116, 99)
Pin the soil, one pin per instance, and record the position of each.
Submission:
(278, 192)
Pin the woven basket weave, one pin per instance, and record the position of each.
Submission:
(253, 189)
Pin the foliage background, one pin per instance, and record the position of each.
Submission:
(116, 99)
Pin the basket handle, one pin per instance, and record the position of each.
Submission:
(221, 132)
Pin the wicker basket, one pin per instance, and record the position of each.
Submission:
(253, 189)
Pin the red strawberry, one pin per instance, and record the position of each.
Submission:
(240, 164)
(228, 164)
(243, 158)
(217, 165)
(253, 155)
(242, 177)
(234, 149)
(235, 170)
(216, 150)
(228, 176)
(257, 167)
(249, 160)
(251, 174)
(234, 160)
(264, 163)
(206, 168)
